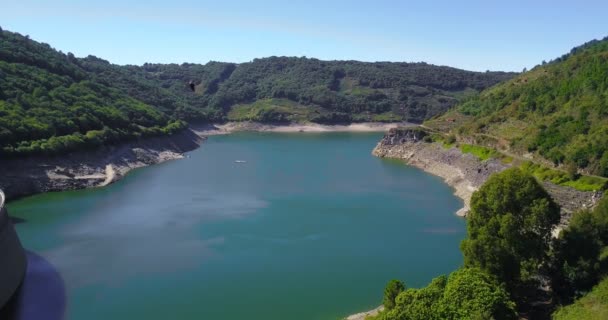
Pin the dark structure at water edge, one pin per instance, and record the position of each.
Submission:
(14, 262)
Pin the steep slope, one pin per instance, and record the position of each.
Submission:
(50, 105)
(557, 111)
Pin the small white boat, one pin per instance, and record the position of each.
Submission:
(240, 161)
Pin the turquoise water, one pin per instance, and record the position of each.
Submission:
(312, 226)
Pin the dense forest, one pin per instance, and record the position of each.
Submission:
(51, 102)
(558, 110)
(335, 91)
(49, 105)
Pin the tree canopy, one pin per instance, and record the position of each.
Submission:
(467, 293)
(392, 290)
(49, 105)
(509, 227)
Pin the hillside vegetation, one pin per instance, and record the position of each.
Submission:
(558, 110)
(48, 104)
(334, 91)
(594, 305)
(51, 102)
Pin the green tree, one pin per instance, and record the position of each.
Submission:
(467, 293)
(392, 290)
(581, 253)
(509, 228)
(472, 294)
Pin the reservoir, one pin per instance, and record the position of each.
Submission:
(249, 226)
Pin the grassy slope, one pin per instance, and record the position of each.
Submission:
(594, 305)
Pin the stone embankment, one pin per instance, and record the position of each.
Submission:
(85, 169)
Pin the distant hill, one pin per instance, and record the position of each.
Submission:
(297, 89)
(558, 110)
(51, 102)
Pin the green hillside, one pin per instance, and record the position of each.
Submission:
(558, 110)
(49, 104)
(593, 305)
(336, 91)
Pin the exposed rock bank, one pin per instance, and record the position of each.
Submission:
(100, 167)
(85, 169)
(465, 172)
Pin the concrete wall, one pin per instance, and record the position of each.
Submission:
(13, 261)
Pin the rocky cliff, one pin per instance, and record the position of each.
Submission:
(99, 167)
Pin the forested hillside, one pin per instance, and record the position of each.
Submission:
(558, 110)
(287, 87)
(52, 102)
(49, 104)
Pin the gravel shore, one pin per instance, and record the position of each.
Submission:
(213, 129)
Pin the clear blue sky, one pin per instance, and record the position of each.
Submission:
(473, 35)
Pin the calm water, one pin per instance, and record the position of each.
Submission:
(310, 227)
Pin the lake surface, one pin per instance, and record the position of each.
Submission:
(312, 226)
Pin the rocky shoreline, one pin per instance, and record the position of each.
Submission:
(465, 172)
(100, 167)
(95, 168)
